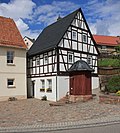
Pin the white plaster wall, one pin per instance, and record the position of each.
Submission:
(63, 86)
(95, 82)
(50, 95)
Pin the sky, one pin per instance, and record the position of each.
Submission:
(32, 16)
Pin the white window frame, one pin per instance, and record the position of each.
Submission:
(37, 61)
(104, 47)
(42, 88)
(89, 60)
(84, 38)
(10, 57)
(70, 60)
(49, 89)
(74, 35)
(45, 59)
(11, 85)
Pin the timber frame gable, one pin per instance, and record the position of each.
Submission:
(59, 46)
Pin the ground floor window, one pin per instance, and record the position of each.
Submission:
(10, 83)
(42, 89)
(49, 89)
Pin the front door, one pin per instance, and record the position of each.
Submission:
(76, 85)
(71, 85)
(33, 88)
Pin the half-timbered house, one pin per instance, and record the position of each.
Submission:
(58, 46)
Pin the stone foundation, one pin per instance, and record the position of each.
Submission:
(109, 99)
(83, 98)
(19, 97)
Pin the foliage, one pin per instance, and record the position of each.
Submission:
(114, 84)
(44, 98)
(117, 48)
(109, 62)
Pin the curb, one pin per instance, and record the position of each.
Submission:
(104, 121)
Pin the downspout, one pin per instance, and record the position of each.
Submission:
(57, 54)
(56, 88)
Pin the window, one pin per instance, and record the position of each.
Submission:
(45, 59)
(10, 57)
(42, 89)
(37, 61)
(104, 47)
(49, 89)
(10, 83)
(84, 38)
(74, 35)
(70, 58)
(89, 60)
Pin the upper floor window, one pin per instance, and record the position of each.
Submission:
(89, 59)
(37, 61)
(70, 58)
(45, 59)
(103, 47)
(84, 38)
(74, 35)
(10, 57)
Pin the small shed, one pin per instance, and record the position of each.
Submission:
(80, 78)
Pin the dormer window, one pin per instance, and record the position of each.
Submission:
(74, 35)
(84, 38)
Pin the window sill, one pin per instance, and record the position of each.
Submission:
(11, 87)
(10, 64)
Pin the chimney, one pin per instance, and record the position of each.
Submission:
(59, 18)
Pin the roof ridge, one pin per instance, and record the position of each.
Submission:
(105, 35)
(62, 18)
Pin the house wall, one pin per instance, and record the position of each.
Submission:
(28, 42)
(60, 86)
(63, 86)
(16, 71)
(50, 95)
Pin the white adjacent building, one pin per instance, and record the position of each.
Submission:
(12, 61)
(59, 46)
(28, 41)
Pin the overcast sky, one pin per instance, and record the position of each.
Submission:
(32, 16)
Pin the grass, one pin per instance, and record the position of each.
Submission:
(109, 63)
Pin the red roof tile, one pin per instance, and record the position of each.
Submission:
(107, 40)
(9, 34)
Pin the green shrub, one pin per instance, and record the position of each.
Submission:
(44, 98)
(114, 84)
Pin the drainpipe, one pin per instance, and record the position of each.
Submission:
(56, 88)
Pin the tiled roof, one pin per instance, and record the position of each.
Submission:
(107, 40)
(9, 34)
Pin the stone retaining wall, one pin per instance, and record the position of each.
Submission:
(109, 99)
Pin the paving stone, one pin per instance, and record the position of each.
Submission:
(35, 112)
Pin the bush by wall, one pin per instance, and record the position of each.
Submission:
(113, 84)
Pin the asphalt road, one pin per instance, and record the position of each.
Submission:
(102, 129)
